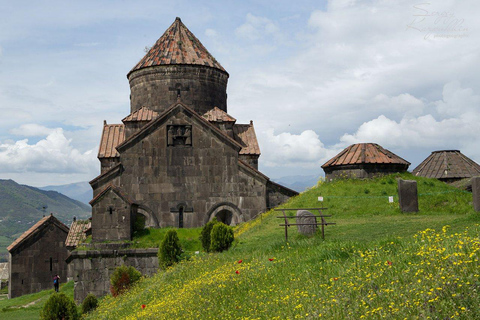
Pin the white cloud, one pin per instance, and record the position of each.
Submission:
(31, 130)
(54, 154)
(456, 126)
(256, 28)
(287, 150)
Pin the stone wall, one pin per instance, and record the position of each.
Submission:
(91, 269)
(157, 87)
(112, 218)
(362, 171)
(34, 264)
(181, 184)
(278, 194)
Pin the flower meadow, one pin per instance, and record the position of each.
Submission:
(434, 274)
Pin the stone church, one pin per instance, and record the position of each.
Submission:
(178, 159)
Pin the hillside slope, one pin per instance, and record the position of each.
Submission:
(21, 206)
(81, 191)
(375, 263)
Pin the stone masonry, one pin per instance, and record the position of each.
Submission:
(91, 269)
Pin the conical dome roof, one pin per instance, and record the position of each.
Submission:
(447, 164)
(362, 153)
(178, 45)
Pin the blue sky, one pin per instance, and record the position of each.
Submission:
(314, 76)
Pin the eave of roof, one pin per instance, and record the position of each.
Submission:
(115, 189)
(218, 115)
(365, 153)
(107, 173)
(150, 127)
(142, 114)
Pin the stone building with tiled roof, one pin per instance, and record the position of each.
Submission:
(179, 159)
(447, 166)
(364, 160)
(36, 256)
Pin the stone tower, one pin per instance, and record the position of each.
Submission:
(178, 65)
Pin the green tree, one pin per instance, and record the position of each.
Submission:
(59, 306)
(90, 303)
(170, 250)
(221, 237)
(205, 234)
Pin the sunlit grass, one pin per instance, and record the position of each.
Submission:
(375, 263)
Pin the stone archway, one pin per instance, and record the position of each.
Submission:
(151, 220)
(227, 213)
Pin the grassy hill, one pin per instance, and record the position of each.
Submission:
(21, 206)
(376, 262)
(28, 307)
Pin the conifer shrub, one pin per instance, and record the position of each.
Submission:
(221, 237)
(170, 250)
(89, 304)
(205, 234)
(123, 278)
(59, 306)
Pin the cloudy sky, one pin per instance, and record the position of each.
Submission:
(314, 76)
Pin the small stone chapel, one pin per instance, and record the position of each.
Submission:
(178, 159)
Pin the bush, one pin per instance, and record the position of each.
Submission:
(170, 250)
(205, 235)
(90, 303)
(221, 237)
(122, 279)
(59, 306)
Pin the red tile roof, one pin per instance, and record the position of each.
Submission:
(365, 153)
(142, 114)
(447, 164)
(245, 135)
(77, 232)
(217, 115)
(112, 136)
(36, 228)
(178, 45)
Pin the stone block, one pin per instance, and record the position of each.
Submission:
(476, 193)
(407, 195)
(305, 216)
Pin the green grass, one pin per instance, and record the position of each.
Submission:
(376, 262)
(30, 305)
(151, 238)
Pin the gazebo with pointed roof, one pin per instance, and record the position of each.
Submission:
(447, 166)
(178, 65)
(364, 160)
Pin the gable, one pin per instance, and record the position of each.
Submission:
(36, 230)
(164, 118)
(109, 189)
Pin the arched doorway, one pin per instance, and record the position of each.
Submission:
(227, 213)
(224, 216)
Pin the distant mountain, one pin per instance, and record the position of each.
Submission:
(298, 183)
(22, 206)
(81, 191)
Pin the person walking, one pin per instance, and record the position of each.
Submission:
(56, 282)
